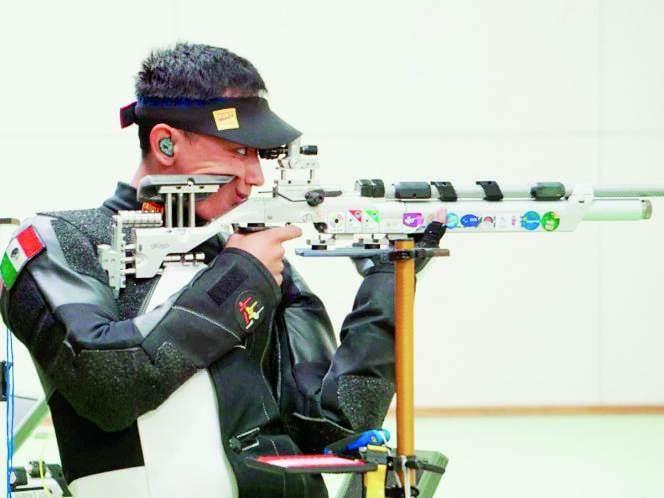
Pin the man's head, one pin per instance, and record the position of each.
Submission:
(201, 110)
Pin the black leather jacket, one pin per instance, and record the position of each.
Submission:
(103, 362)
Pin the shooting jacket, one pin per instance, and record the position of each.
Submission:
(282, 384)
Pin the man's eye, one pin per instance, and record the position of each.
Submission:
(241, 151)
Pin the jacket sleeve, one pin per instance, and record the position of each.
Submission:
(347, 389)
(111, 370)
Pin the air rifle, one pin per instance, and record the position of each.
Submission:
(368, 217)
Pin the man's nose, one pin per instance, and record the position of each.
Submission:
(253, 173)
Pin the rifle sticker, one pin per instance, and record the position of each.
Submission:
(371, 220)
(226, 119)
(470, 221)
(373, 215)
(507, 221)
(354, 221)
(413, 220)
(488, 222)
(452, 220)
(357, 214)
(249, 309)
(530, 220)
(550, 221)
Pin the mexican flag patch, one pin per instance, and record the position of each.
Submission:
(21, 249)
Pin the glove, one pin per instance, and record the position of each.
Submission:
(430, 238)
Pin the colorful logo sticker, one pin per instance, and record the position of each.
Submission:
(530, 220)
(488, 222)
(249, 309)
(226, 119)
(470, 221)
(550, 221)
(503, 221)
(356, 213)
(413, 220)
(373, 215)
(452, 220)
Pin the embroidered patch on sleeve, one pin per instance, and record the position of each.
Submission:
(21, 249)
(249, 310)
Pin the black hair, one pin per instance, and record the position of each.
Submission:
(193, 71)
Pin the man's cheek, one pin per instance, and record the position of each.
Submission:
(213, 206)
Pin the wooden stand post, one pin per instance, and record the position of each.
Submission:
(404, 297)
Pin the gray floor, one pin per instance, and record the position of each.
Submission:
(547, 456)
(524, 457)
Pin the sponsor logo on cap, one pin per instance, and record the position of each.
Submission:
(226, 119)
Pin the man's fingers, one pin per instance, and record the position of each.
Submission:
(440, 215)
(235, 238)
(282, 234)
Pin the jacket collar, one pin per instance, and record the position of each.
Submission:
(124, 198)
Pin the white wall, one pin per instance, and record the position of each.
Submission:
(517, 90)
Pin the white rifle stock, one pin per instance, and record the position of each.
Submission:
(372, 213)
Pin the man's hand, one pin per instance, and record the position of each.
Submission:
(430, 238)
(266, 246)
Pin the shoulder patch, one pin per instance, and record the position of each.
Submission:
(21, 249)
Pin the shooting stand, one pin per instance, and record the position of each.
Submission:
(385, 474)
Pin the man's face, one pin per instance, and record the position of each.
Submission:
(206, 155)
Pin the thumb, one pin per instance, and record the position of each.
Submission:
(234, 239)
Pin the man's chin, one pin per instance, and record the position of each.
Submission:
(209, 213)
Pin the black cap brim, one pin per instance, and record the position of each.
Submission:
(247, 121)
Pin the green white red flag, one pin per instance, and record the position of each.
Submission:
(21, 249)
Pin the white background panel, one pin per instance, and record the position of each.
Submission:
(453, 65)
(71, 64)
(50, 173)
(631, 298)
(633, 75)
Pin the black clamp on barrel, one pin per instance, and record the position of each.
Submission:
(446, 192)
(491, 189)
(370, 188)
(548, 191)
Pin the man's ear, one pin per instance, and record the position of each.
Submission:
(164, 141)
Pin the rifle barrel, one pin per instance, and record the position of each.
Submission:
(629, 191)
(525, 191)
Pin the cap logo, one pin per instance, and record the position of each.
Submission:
(225, 119)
